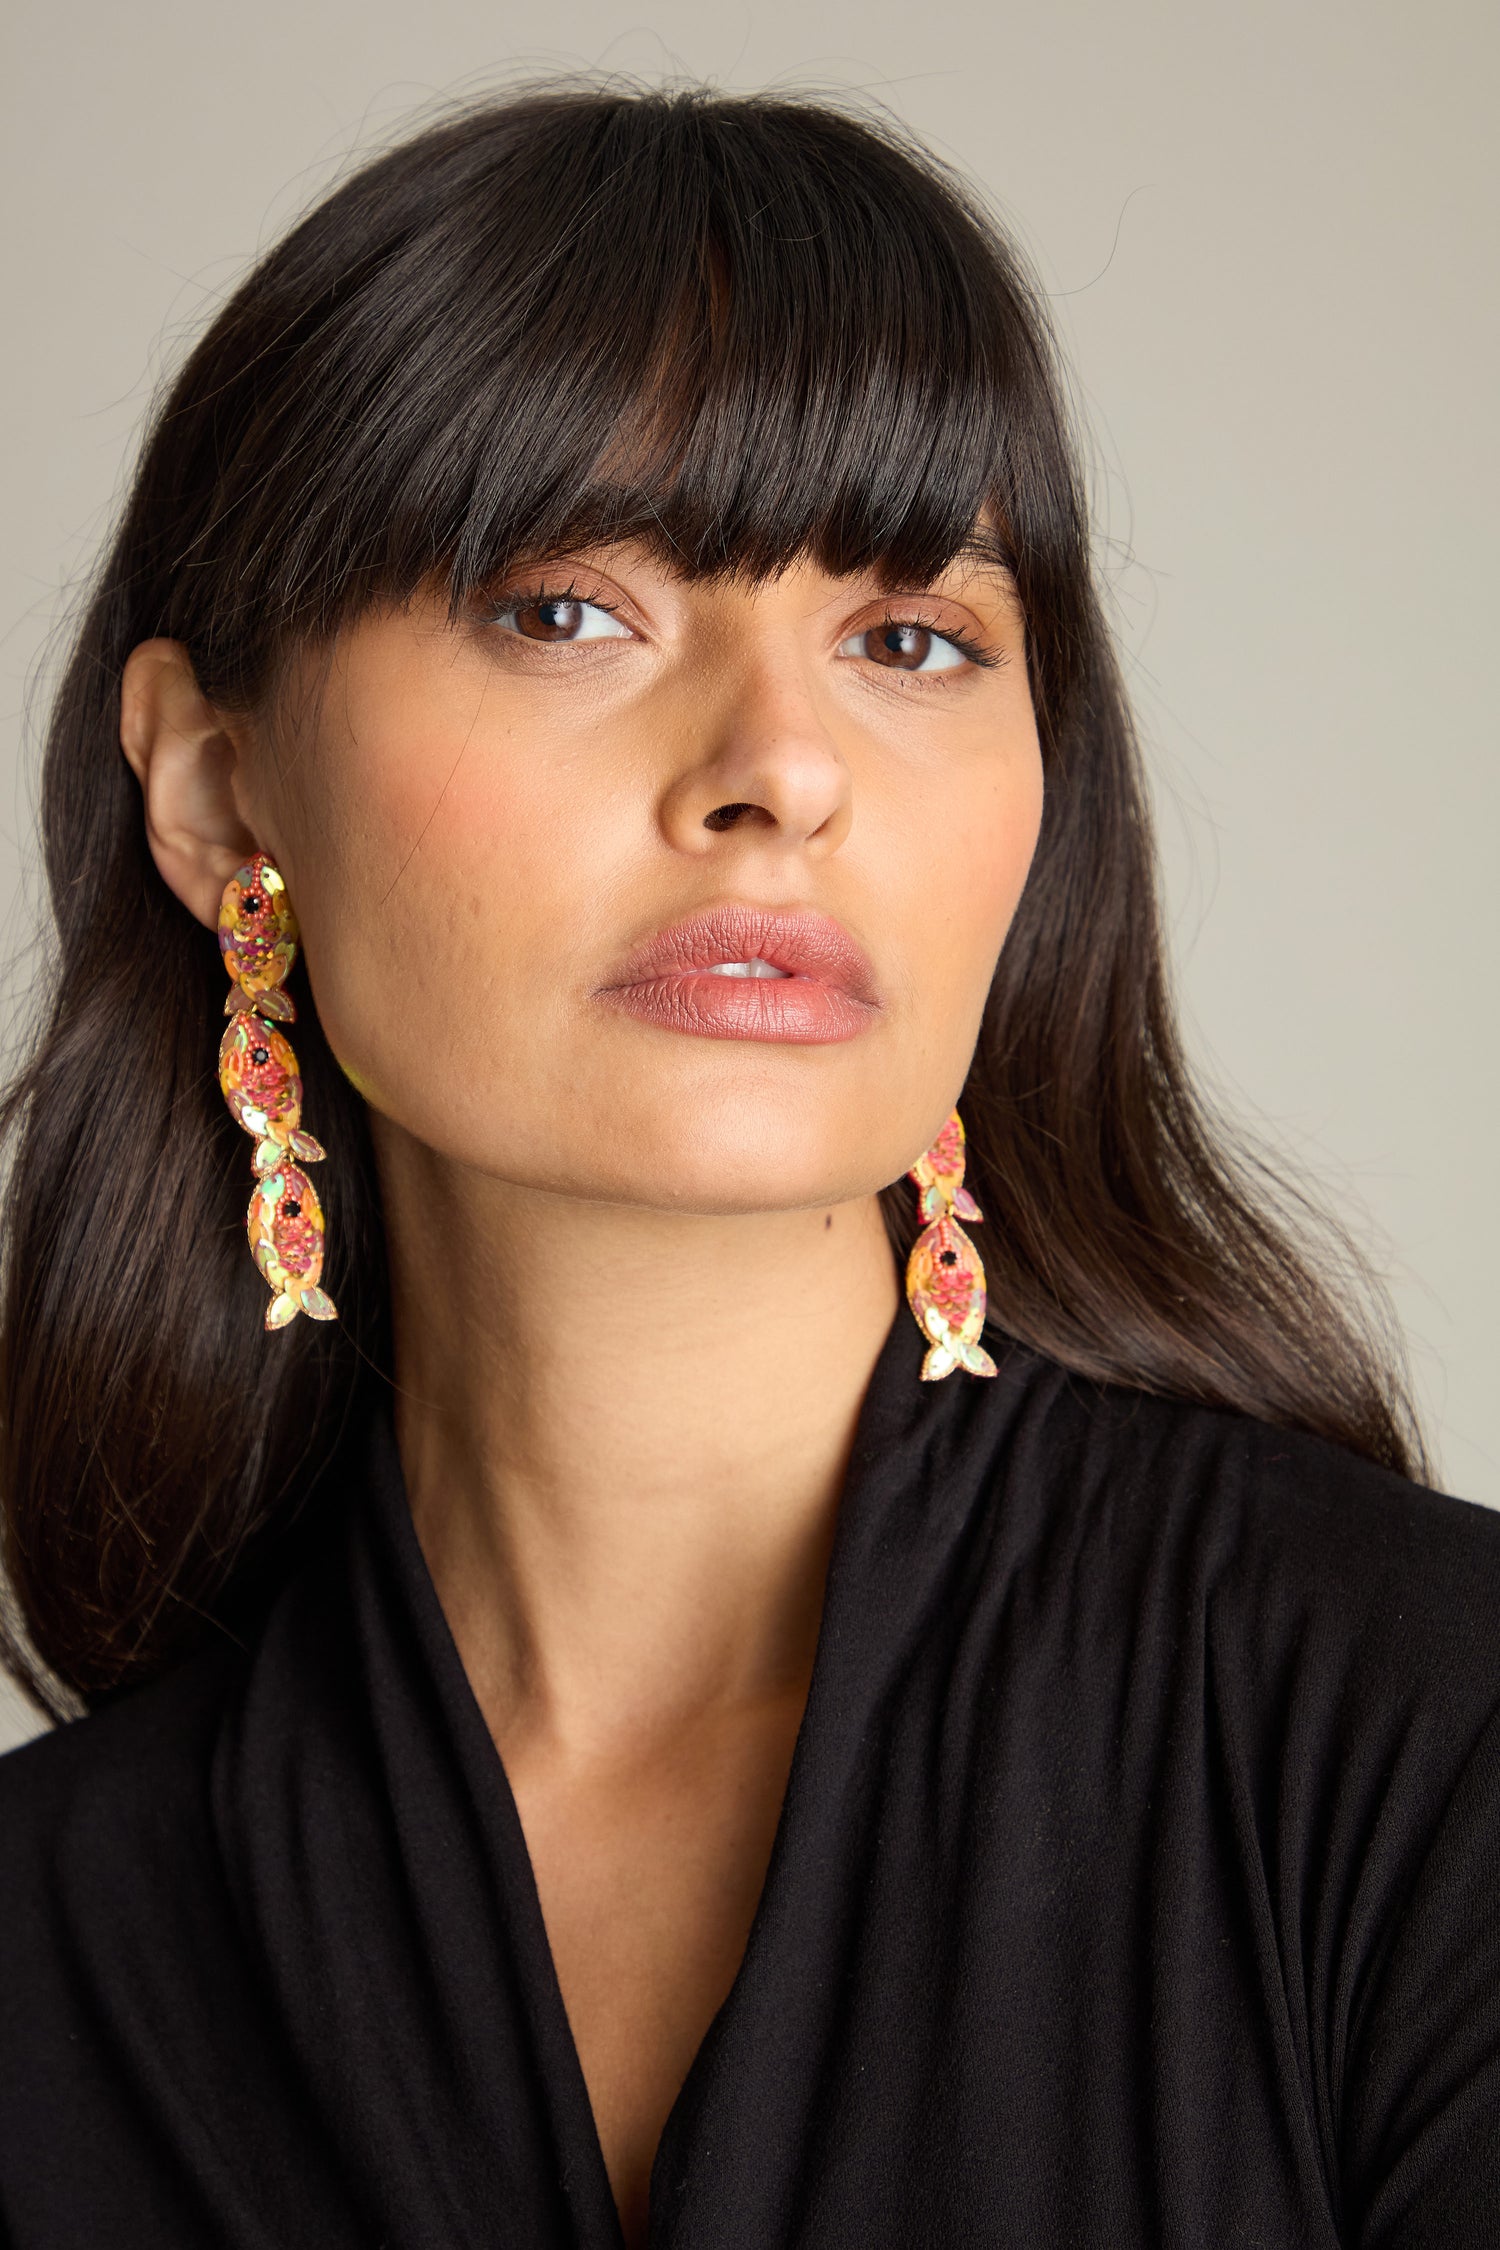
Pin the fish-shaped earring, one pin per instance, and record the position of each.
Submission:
(944, 1276)
(260, 1081)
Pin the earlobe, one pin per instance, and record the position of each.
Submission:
(186, 758)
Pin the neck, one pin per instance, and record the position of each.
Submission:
(624, 1434)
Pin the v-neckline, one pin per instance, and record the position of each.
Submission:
(885, 1411)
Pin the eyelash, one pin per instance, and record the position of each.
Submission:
(523, 597)
(975, 651)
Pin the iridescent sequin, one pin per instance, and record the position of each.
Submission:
(257, 929)
(940, 1175)
(260, 1081)
(285, 1226)
(944, 1274)
(259, 1078)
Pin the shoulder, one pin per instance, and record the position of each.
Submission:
(116, 1784)
(1276, 1539)
(1307, 1642)
(1172, 1465)
(1280, 1673)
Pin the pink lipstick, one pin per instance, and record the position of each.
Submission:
(744, 972)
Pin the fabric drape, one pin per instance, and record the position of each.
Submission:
(1135, 1886)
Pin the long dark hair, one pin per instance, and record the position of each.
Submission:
(744, 329)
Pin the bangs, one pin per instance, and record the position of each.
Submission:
(741, 357)
(739, 331)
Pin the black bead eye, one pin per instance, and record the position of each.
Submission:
(250, 903)
(260, 1055)
(293, 1209)
(947, 1257)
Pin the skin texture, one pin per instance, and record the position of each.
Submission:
(639, 1276)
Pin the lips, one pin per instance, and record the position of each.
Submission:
(825, 989)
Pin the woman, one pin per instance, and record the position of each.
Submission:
(606, 1727)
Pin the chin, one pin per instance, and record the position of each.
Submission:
(699, 1192)
(721, 1165)
(754, 1146)
(722, 1143)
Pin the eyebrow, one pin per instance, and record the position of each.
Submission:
(989, 547)
(983, 546)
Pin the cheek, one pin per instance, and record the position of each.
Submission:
(441, 888)
(978, 843)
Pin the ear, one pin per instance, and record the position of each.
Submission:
(187, 761)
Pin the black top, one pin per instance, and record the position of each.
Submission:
(1135, 1887)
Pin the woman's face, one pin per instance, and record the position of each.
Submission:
(485, 827)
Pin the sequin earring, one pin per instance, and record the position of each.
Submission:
(263, 1087)
(944, 1276)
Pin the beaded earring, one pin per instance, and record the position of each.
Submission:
(944, 1276)
(260, 1081)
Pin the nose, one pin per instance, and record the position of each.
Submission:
(765, 763)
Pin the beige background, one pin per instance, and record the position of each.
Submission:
(1268, 232)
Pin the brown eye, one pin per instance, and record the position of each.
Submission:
(557, 617)
(901, 645)
(548, 620)
(905, 648)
